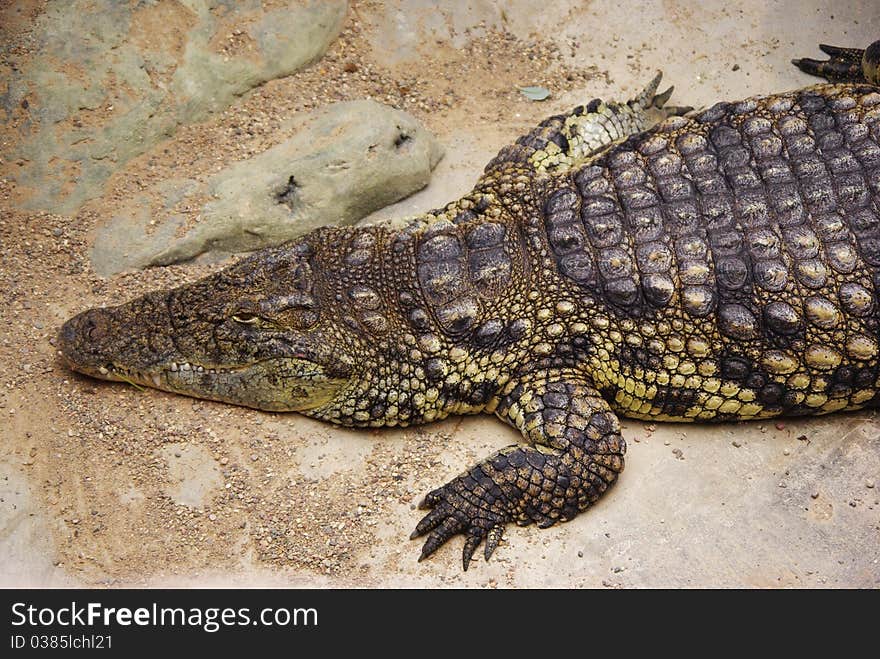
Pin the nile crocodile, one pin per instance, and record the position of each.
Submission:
(713, 267)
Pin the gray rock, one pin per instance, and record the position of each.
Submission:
(344, 162)
(110, 79)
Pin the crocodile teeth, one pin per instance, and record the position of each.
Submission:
(157, 380)
(200, 369)
(174, 367)
(103, 370)
(185, 367)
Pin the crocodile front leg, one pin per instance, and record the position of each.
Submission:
(574, 453)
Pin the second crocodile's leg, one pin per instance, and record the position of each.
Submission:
(845, 64)
(561, 141)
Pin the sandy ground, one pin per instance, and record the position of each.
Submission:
(105, 485)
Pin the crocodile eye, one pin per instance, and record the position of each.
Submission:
(245, 318)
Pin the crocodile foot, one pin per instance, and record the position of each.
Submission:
(844, 64)
(651, 98)
(455, 509)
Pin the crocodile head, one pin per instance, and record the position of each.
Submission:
(253, 334)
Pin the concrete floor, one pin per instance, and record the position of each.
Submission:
(795, 504)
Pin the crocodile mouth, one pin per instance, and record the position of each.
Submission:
(157, 377)
(98, 344)
(282, 384)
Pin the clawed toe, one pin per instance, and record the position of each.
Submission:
(660, 99)
(451, 514)
(436, 538)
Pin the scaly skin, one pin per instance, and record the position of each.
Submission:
(719, 267)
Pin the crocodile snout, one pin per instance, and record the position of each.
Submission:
(80, 338)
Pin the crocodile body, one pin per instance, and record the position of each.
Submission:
(718, 267)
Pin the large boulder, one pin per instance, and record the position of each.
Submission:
(110, 79)
(343, 162)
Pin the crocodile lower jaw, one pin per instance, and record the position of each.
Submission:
(306, 385)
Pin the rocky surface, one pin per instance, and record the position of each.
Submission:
(343, 162)
(110, 79)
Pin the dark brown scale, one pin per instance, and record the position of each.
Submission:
(675, 401)
(783, 319)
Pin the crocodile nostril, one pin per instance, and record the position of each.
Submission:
(83, 334)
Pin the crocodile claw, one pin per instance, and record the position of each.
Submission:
(449, 527)
(451, 514)
(842, 65)
(659, 100)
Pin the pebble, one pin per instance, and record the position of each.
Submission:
(785, 451)
(815, 495)
(869, 485)
(780, 425)
(736, 444)
(580, 554)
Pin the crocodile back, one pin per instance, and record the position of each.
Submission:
(739, 248)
